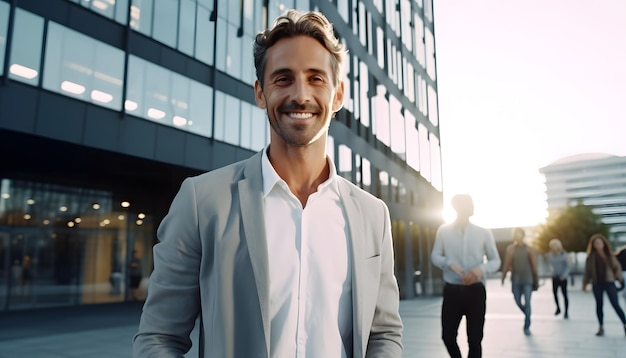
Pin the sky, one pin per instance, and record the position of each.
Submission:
(522, 84)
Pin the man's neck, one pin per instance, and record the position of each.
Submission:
(461, 223)
(303, 169)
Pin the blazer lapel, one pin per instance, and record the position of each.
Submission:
(355, 226)
(251, 206)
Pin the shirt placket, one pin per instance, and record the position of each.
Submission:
(301, 334)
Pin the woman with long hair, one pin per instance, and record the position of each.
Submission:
(557, 257)
(602, 269)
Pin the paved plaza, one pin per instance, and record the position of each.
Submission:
(105, 331)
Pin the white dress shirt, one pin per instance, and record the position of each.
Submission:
(309, 268)
(466, 248)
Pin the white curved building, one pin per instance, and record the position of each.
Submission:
(598, 179)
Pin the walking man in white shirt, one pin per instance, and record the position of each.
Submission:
(460, 249)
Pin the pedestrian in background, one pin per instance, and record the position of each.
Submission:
(459, 251)
(559, 261)
(27, 275)
(520, 259)
(135, 275)
(602, 269)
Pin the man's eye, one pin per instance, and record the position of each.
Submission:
(282, 79)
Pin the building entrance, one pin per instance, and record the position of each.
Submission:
(66, 246)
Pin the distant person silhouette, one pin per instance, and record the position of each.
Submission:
(135, 276)
(27, 275)
(521, 261)
(459, 251)
(602, 269)
(559, 261)
(16, 277)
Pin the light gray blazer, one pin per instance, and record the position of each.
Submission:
(212, 261)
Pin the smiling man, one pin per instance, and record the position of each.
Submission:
(277, 254)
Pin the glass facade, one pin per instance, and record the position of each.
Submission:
(63, 245)
(186, 65)
(81, 67)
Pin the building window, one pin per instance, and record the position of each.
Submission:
(435, 162)
(412, 141)
(165, 28)
(383, 181)
(166, 97)
(25, 62)
(345, 162)
(419, 50)
(366, 173)
(141, 16)
(205, 34)
(187, 26)
(424, 152)
(364, 100)
(381, 114)
(113, 9)
(201, 109)
(396, 119)
(4, 24)
(72, 240)
(253, 125)
(430, 54)
(227, 118)
(80, 67)
(432, 106)
(330, 148)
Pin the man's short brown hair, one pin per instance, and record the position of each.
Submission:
(294, 23)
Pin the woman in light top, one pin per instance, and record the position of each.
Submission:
(557, 257)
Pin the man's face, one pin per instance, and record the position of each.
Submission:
(464, 207)
(299, 91)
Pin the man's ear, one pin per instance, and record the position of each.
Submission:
(338, 101)
(259, 98)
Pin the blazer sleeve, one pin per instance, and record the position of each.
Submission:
(173, 301)
(386, 333)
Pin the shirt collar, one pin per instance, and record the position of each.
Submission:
(271, 178)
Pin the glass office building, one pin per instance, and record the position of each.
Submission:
(107, 105)
(597, 180)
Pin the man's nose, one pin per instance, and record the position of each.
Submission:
(301, 92)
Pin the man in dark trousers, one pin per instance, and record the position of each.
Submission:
(459, 250)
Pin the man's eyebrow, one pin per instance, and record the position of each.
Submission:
(285, 71)
(280, 71)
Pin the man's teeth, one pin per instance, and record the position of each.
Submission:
(301, 115)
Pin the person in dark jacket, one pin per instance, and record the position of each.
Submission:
(520, 259)
(602, 269)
